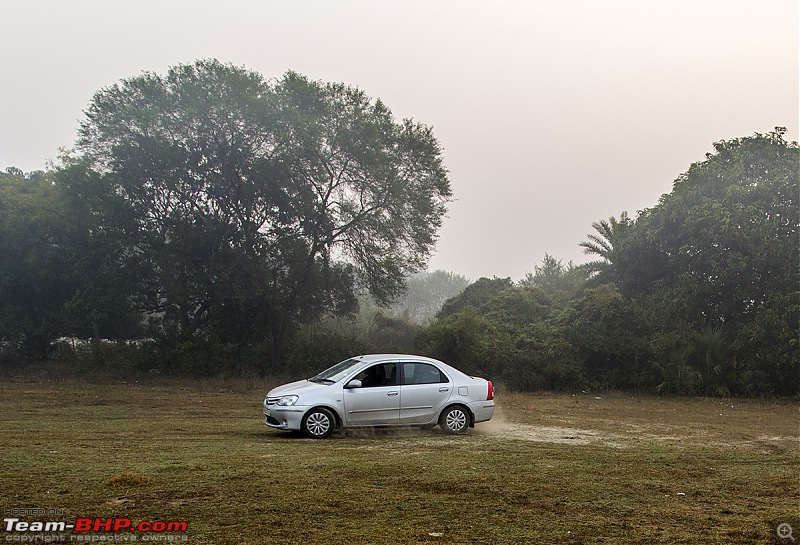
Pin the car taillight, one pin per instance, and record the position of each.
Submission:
(490, 395)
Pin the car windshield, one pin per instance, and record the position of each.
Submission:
(337, 372)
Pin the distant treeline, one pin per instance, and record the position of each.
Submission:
(211, 222)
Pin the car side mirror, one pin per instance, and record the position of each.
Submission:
(355, 383)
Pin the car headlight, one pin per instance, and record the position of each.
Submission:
(287, 401)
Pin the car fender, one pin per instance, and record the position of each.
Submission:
(453, 403)
(332, 408)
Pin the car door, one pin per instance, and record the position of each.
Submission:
(423, 392)
(377, 401)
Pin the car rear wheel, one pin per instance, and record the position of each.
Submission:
(454, 420)
(318, 423)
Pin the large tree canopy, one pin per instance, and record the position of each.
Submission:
(724, 243)
(699, 294)
(60, 273)
(261, 204)
(32, 236)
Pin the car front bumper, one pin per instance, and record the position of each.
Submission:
(282, 417)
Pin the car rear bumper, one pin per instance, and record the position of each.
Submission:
(483, 410)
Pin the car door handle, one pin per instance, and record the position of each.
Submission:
(392, 394)
(444, 389)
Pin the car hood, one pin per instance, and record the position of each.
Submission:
(297, 388)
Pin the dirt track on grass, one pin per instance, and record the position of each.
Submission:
(620, 421)
(499, 426)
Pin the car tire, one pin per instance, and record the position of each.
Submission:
(318, 423)
(454, 420)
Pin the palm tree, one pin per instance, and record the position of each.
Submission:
(606, 242)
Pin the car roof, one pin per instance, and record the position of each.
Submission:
(381, 357)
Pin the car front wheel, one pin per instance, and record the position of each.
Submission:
(318, 423)
(454, 420)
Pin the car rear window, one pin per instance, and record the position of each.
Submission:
(423, 373)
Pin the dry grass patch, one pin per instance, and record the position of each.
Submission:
(129, 479)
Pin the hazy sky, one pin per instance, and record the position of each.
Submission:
(552, 114)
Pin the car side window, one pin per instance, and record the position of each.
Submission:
(422, 373)
(382, 374)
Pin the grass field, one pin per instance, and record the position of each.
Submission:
(550, 468)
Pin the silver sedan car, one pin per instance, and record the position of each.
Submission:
(381, 390)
